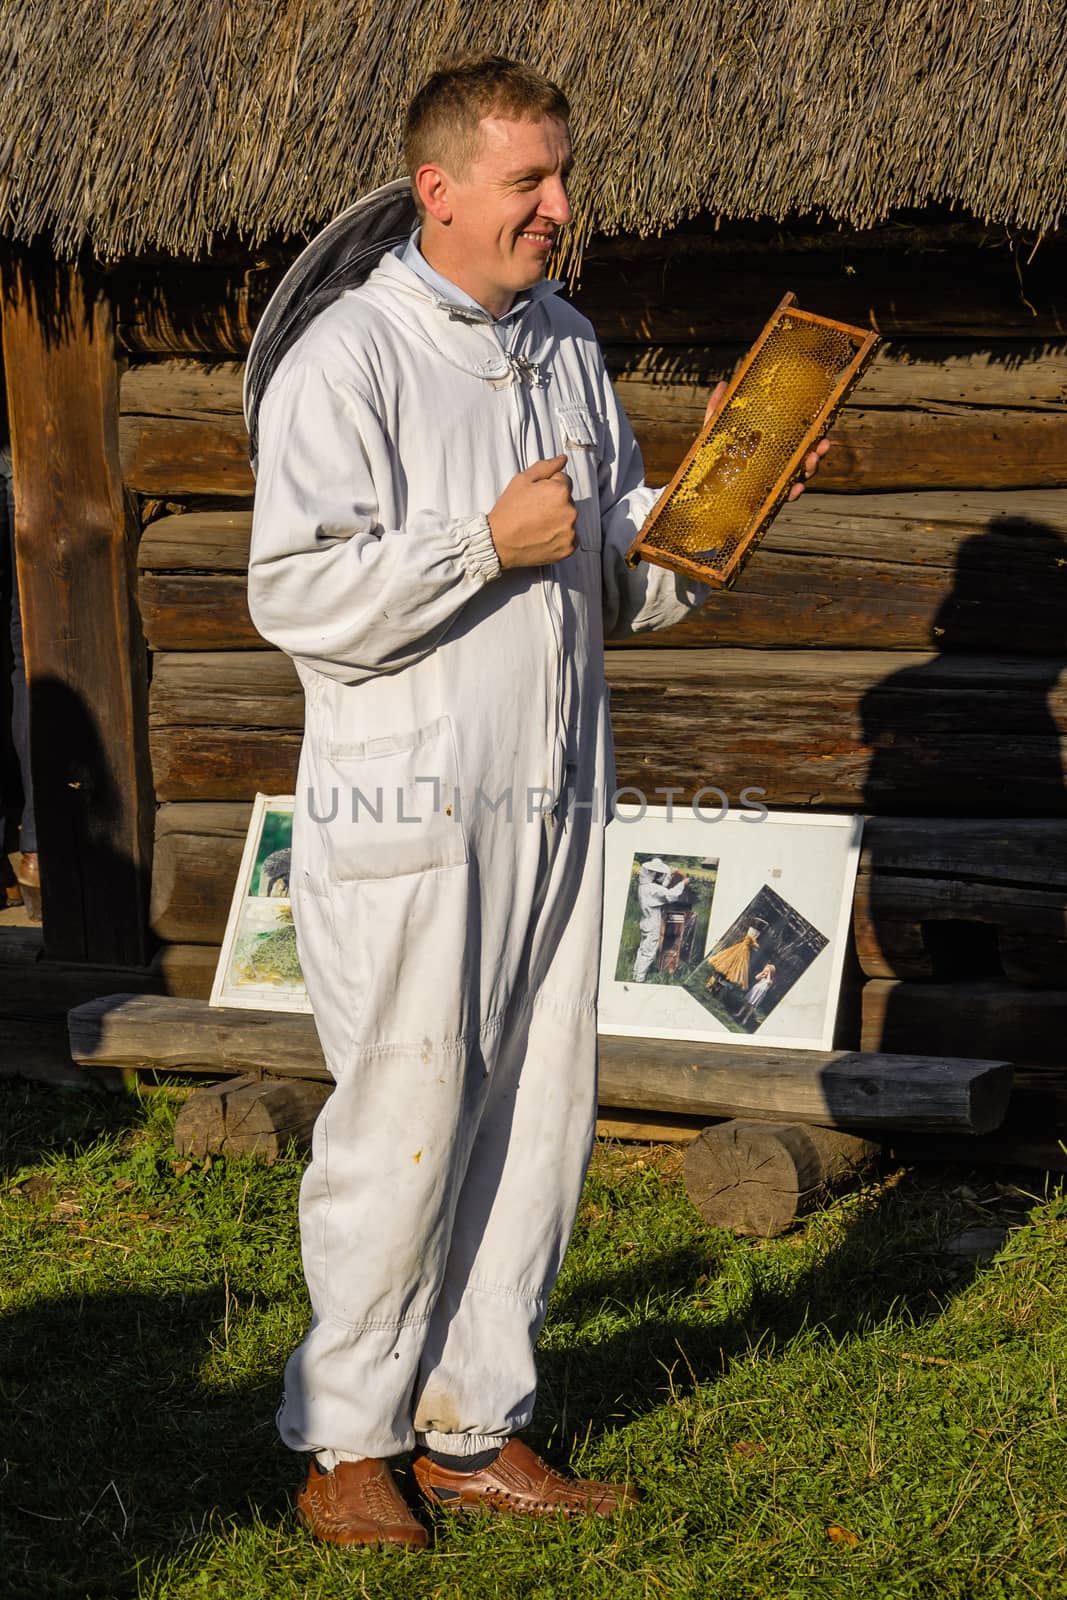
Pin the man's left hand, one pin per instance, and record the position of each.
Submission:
(811, 460)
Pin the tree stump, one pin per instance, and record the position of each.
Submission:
(250, 1116)
(758, 1178)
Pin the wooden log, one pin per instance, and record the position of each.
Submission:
(955, 1018)
(872, 450)
(197, 541)
(758, 1178)
(836, 1088)
(950, 897)
(973, 571)
(840, 1089)
(197, 611)
(179, 455)
(1034, 1150)
(210, 764)
(688, 289)
(197, 857)
(881, 731)
(904, 449)
(238, 690)
(169, 307)
(249, 1117)
(652, 379)
(87, 679)
(189, 1036)
(186, 971)
(694, 296)
(197, 389)
(890, 733)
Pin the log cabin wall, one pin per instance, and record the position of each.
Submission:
(894, 648)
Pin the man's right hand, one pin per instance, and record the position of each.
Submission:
(533, 523)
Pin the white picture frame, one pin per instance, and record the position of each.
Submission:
(258, 967)
(751, 950)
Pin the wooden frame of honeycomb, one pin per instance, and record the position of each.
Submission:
(738, 473)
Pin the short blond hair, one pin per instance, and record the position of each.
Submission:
(446, 113)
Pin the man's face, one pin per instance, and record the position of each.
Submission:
(500, 219)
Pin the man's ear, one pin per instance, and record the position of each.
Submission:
(434, 189)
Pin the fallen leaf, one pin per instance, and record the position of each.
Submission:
(123, 1185)
(64, 1210)
(180, 1168)
(841, 1535)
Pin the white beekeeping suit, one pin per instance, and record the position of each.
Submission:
(653, 893)
(448, 912)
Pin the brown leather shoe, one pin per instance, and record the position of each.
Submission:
(358, 1503)
(520, 1483)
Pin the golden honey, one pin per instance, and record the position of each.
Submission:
(738, 473)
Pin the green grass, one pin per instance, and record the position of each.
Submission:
(848, 1377)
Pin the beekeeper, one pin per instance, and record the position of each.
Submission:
(446, 491)
(654, 891)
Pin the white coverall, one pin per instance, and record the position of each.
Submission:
(652, 896)
(451, 961)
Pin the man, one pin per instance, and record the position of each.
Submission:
(654, 891)
(447, 489)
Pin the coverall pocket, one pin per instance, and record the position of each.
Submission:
(390, 806)
(580, 438)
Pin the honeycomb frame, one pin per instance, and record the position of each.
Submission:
(658, 540)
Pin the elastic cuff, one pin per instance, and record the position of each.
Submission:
(479, 551)
(462, 1444)
(328, 1459)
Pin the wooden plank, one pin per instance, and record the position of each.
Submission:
(894, 733)
(647, 1127)
(758, 1178)
(85, 655)
(197, 857)
(955, 1018)
(891, 571)
(835, 1088)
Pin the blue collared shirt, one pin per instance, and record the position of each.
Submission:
(412, 257)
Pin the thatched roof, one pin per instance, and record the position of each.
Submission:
(166, 124)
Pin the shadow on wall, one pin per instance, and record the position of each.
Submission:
(974, 737)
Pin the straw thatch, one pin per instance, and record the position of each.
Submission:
(165, 124)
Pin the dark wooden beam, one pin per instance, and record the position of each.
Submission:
(85, 656)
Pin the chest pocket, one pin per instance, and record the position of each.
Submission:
(579, 435)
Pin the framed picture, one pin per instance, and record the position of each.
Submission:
(732, 927)
(258, 964)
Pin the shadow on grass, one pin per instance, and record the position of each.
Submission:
(116, 1452)
(882, 1267)
(38, 1121)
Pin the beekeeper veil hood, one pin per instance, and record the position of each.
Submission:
(339, 258)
